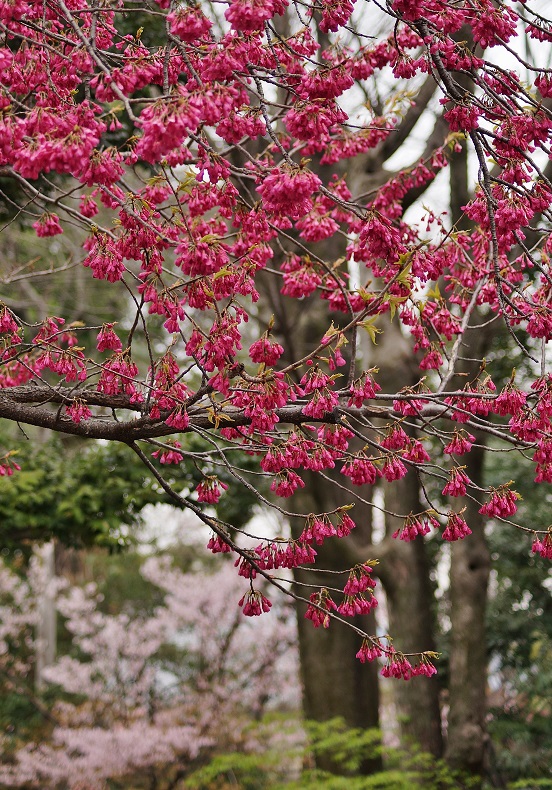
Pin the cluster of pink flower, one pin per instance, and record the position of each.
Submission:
(288, 192)
(48, 225)
(543, 458)
(8, 466)
(314, 119)
(321, 604)
(460, 444)
(358, 598)
(358, 595)
(218, 545)
(318, 384)
(189, 23)
(118, 375)
(398, 666)
(462, 118)
(335, 14)
(457, 483)
(283, 554)
(413, 526)
(300, 277)
(543, 547)
(210, 490)
(318, 528)
(108, 340)
(369, 650)
(196, 257)
(502, 503)
(248, 124)
(69, 363)
(363, 389)
(265, 352)
(254, 603)
(456, 528)
(78, 411)
(169, 455)
(105, 259)
(361, 470)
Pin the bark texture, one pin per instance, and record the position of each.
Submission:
(406, 578)
(405, 571)
(469, 576)
(470, 564)
(335, 683)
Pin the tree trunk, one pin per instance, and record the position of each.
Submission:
(411, 619)
(405, 571)
(335, 683)
(469, 575)
(46, 626)
(470, 564)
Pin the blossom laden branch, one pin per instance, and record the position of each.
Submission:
(218, 156)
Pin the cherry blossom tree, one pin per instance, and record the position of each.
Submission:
(124, 707)
(213, 160)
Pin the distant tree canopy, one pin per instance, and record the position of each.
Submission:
(89, 495)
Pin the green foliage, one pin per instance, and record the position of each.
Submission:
(519, 631)
(347, 748)
(292, 767)
(120, 583)
(18, 716)
(246, 771)
(81, 499)
(87, 494)
(383, 780)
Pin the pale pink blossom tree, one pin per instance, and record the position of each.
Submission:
(134, 711)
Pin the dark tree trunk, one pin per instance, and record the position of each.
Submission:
(405, 572)
(470, 566)
(469, 575)
(335, 683)
(406, 578)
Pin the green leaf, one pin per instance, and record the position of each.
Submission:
(371, 329)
